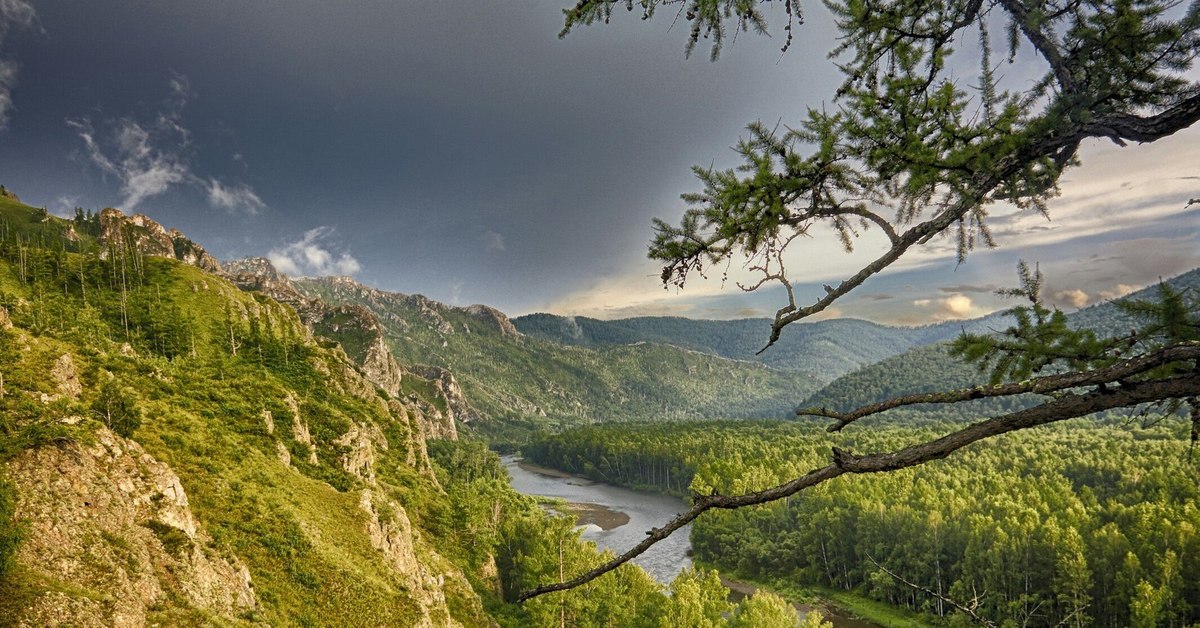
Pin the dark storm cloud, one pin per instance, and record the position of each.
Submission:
(13, 14)
(433, 136)
(986, 288)
(453, 148)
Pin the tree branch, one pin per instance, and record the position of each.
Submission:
(1118, 127)
(1050, 52)
(1067, 406)
(1040, 385)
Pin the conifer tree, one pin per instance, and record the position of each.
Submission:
(918, 151)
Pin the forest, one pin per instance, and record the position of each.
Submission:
(1078, 524)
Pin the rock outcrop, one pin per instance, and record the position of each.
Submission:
(359, 447)
(64, 376)
(446, 388)
(258, 274)
(300, 432)
(112, 525)
(143, 234)
(355, 327)
(392, 533)
(493, 318)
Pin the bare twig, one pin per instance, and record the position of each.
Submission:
(967, 609)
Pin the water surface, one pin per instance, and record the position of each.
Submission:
(645, 510)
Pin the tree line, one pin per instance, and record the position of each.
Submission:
(1076, 524)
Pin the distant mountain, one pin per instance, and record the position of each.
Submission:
(521, 378)
(930, 368)
(825, 350)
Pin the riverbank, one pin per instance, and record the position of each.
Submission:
(598, 515)
(549, 472)
(586, 514)
(844, 609)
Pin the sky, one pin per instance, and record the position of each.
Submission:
(463, 151)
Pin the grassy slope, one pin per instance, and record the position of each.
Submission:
(301, 537)
(300, 533)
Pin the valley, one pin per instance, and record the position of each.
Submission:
(287, 450)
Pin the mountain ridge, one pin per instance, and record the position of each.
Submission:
(930, 368)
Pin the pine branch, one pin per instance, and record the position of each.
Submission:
(1042, 385)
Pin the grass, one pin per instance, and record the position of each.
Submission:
(846, 602)
(873, 610)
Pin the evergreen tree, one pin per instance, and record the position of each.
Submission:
(917, 150)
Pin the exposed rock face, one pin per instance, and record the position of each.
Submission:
(63, 373)
(354, 326)
(281, 452)
(489, 572)
(5, 321)
(417, 455)
(361, 442)
(150, 238)
(448, 389)
(494, 318)
(300, 430)
(257, 274)
(361, 337)
(432, 422)
(189, 252)
(381, 367)
(113, 524)
(392, 534)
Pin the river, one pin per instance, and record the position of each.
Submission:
(645, 510)
(617, 518)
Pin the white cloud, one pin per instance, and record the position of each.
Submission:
(1075, 297)
(146, 158)
(150, 157)
(13, 13)
(493, 241)
(955, 306)
(64, 206)
(1118, 291)
(234, 198)
(313, 255)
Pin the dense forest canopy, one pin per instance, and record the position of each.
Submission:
(918, 151)
(1083, 523)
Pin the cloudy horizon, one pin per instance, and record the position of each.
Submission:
(464, 152)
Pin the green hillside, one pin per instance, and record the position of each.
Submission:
(176, 451)
(931, 368)
(524, 379)
(825, 350)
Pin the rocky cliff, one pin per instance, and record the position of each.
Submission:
(361, 335)
(115, 523)
(142, 234)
